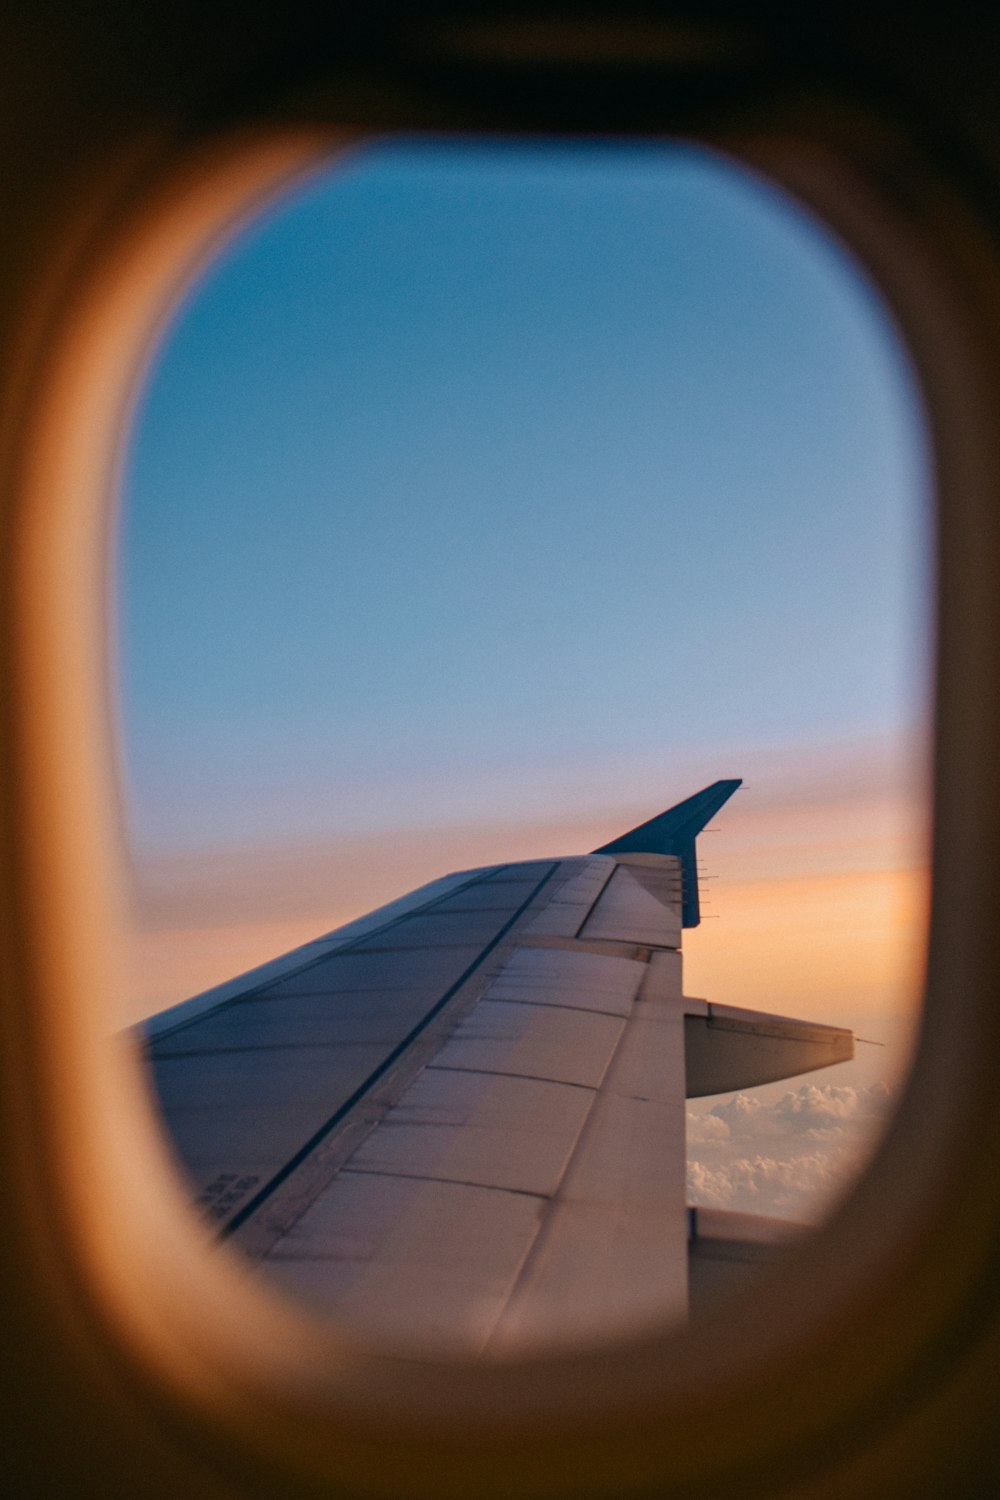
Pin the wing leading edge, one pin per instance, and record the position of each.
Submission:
(461, 1122)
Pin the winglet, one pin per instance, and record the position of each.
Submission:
(674, 832)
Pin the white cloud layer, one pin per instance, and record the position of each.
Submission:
(786, 1158)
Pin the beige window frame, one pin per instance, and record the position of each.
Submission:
(167, 1368)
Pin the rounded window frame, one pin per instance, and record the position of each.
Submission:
(237, 1370)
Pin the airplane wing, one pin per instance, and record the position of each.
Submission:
(460, 1121)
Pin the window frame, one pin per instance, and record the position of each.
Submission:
(808, 1387)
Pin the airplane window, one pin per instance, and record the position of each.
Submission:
(484, 503)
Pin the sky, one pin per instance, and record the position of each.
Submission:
(485, 499)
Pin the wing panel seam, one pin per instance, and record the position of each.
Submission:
(344, 1109)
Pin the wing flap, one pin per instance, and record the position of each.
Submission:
(555, 1042)
(611, 1252)
(729, 1049)
(728, 1253)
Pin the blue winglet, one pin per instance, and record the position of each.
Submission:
(674, 832)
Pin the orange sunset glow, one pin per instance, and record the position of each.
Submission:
(813, 906)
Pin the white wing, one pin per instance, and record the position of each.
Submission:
(461, 1120)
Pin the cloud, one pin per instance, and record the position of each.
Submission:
(808, 1109)
(787, 1157)
(764, 1185)
(705, 1129)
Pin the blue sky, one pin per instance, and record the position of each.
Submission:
(482, 501)
(474, 480)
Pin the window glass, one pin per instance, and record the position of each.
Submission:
(483, 501)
